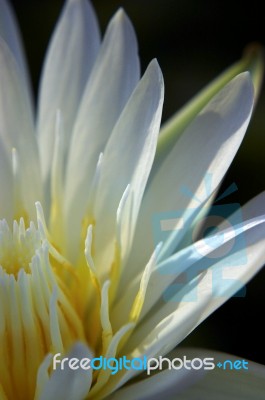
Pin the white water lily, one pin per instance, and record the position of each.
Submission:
(79, 271)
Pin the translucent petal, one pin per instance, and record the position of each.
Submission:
(100, 108)
(9, 31)
(128, 158)
(205, 150)
(68, 63)
(16, 128)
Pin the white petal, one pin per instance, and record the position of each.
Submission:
(160, 385)
(16, 127)
(6, 192)
(208, 145)
(67, 383)
(9, 31)
(200, 384)
(115, 75)
(69, 60)
(225, 276)
(155, 343)
(228, 280)
(165, 273)
(222, 384)
(128, 157)
(168, 332)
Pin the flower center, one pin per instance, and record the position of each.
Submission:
(37, 314)
(17, 247)
(47, 305)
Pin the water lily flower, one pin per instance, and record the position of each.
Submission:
(81, 275)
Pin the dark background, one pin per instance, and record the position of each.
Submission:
(193, 40)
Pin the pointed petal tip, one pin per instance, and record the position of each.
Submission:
(155, 69)
(121, 23)
(245, 79)
(154, 63)
(244, 76)
(121, 16)
(240, 90)
(121, 12)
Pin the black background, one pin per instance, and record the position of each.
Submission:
(193, 40)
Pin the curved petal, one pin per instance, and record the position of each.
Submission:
(17, 130)
(206, 149)
(200, 384)
(6, 191)
(66, 383)
(9, 31)
(211, 286)
(128, 158)
(229, 280)
(153, 348)
(224, 384)
(68, 63)
(115, 75)
(198, 256)
(161, 385)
